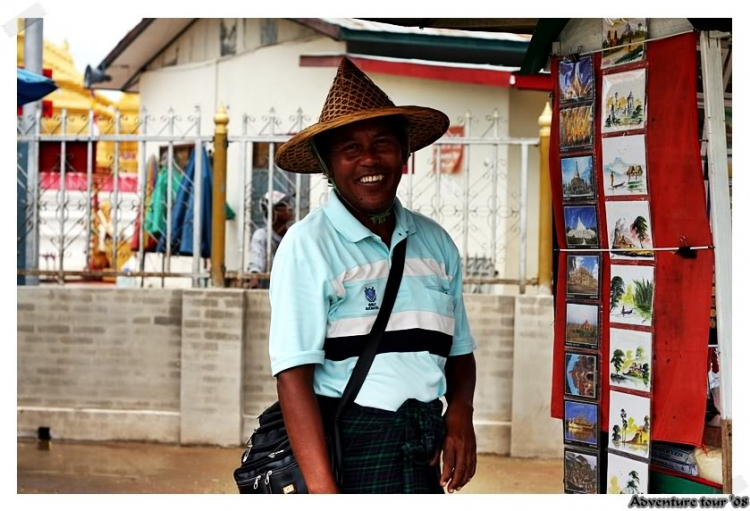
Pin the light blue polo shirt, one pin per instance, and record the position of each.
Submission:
(327, 284)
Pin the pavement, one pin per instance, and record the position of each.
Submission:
(72, 467)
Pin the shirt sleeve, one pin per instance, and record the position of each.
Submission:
(463, 341)
(257, 262)
(300, 296)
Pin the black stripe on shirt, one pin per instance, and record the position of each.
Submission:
(400, 341)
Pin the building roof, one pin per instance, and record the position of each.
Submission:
(152, 36)
(480, 74)
(376, 26)
(138, 48)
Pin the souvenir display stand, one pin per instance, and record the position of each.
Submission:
(637, 255)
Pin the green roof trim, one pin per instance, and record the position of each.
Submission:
(547, 31)
(467, 43)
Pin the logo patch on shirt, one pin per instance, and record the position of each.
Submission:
(371, 299)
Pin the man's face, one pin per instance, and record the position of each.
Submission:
(282, 213)
(365, 162)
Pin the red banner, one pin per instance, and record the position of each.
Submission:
(451, 155)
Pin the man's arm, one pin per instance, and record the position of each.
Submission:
(304, 425)
(460, 445)
(257, 260)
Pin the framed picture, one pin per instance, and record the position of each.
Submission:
(630, 424)
(578, 179)
(581, 471)
(581, 375)
(626, 476)
(623, 41)
(581, 423)
(582, 325)
(577, 127)
(631, 295)
(581, 228)
(624, 166)
(583, 276)
(629, 229)
(576, 79)
(624, 101)
(630, 359)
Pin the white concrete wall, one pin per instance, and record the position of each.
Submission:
(525, 109)
(192, 366)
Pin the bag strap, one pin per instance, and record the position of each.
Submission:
(378, 329)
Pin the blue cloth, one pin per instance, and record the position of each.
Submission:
(183, 210)
(32, 87)
(327, 283)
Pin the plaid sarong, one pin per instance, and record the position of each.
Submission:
(389, 452)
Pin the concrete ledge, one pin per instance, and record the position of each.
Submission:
(100, 425)
(493, 437)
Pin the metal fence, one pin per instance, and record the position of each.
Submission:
(84, 220)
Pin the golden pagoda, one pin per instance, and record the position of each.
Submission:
(73, 96)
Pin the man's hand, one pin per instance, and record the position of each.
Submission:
(304, 425)
(460, 444)
(459, 448)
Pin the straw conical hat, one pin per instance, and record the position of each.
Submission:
(354, 97)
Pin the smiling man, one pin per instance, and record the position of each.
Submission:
(327, 283)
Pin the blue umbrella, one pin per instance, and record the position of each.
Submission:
(32, 87)
(182, 211)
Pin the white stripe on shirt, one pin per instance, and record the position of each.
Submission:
(413, 266)
(398, 321)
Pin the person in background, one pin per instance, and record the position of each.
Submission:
(282, 215)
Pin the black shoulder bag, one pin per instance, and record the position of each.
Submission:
(268, 463)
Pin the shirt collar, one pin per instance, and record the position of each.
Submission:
(353, 230)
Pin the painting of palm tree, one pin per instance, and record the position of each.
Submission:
(625, 475)
(629, 229)
(633, 480)
(632, 295)
(632, 412)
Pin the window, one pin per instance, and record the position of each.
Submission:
(228, 36)
(269, 31)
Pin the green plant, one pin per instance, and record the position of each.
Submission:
(640, 226)
(646, 376)
(644, 296)
(616, 290)
(617, 359)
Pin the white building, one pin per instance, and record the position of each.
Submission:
(254, 65)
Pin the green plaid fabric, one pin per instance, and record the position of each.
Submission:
(389, 452)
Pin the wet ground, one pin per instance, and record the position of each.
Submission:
(69, 467)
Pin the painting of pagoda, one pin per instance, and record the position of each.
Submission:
(576, 80)
(624, 101)
(581, 423)
(581, 375)
(582, 325)
(624, 41)
(578, 178)
(581, 472)
(583, 276)
(581, 226)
